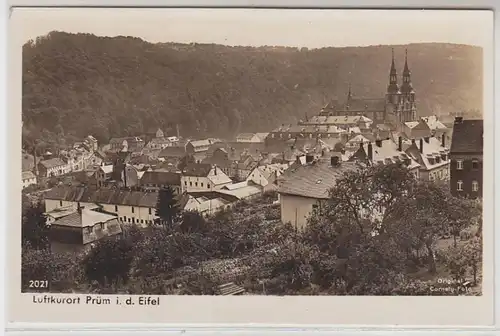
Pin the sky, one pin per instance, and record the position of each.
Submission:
(257, 27)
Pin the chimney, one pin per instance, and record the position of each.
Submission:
(215, 169)
(309, 158)
(400, 143)
(335, 161)
(443, 140)
(370, 151)
(426, 139)
(421, 146)
(378, 143)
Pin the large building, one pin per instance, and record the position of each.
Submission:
(466, 155)
(398, 105)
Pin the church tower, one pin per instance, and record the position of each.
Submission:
(393, 92)
(408, 94)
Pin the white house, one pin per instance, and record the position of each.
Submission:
(433, 158)
(266, 176)
(28, 178)
(203, 177)
(135, 207)
(303, 187)
(53, 167)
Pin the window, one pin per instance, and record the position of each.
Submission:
(460, 164)
(116, 208)
(60, 203)
(133, 210)
(202, 184)
(142, 221)
(475, 186)
(185, 183)
(190, 184)
(129, 220)
(208, 186)
(150, 211)
(196, 184)
(460, 185)
(475, 164)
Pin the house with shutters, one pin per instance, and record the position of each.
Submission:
(466, 155)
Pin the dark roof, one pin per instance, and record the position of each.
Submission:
(51, 163)
(104, 196)
(197, 169)
(467, 136)
(161, 177)
(366, 104)
(172, 151)
(312, 180)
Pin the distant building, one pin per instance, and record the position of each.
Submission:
(133, 144)
(304, 187)
(433, 158)
(397, 107)
(251, 137)
(28, 178)
(267, 176)
(53, 167)
(466, 156)
(75, 230)
(203, 177)
(135, 207)
(199, 148)
(157, 179)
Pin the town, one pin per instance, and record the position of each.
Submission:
(90, 193)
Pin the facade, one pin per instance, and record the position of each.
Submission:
(134, 207)
(303, 187)
(203, 177)
(398, 105)
(267, 176)
(75, 230)
(466, 154)
(53, 167)
(28, 178)
(433, 158)
(157, 179)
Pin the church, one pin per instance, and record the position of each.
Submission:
(396, 108)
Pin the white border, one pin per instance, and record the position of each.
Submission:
(259, 4)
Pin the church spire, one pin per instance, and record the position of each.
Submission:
(393, 77)
(407, 86)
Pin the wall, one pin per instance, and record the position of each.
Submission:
(467, 175)
(28, 182)
(140, 216)
(296, 209)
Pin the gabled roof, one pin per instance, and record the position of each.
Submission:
(467, 136)
(313, 180)
(431, 149)
(246, 136)
(434, 123)
(161, 177)
(197, 169)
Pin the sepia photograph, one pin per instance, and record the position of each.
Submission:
(253, 153)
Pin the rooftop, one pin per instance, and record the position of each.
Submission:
(313, 180)
(467, 136)
(52, 163)
(161, 177)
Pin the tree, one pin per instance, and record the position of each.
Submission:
(167, 207)
(185, 161)
(465, 259)
(35, 231)
(193, 221)
(109, 261)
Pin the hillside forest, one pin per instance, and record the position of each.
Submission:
(80, 84)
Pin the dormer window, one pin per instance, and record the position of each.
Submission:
(475, 164)
(460, 164)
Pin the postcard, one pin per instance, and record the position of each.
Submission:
(251, 166)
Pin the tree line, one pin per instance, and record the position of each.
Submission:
(80, 84)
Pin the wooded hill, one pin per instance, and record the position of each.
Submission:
(80, 84)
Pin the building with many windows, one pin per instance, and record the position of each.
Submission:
(466, 154)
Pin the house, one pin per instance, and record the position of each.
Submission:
(76, 230)
(266, 176)
(466, 155)
(103, 174)
(303, 188)
(432, 156)
(157, 179)
(133, 144)
(356, 141)
(203, 177)
(52, 167)
(172, 153)
(385, 152)
(435, 125)
(343, 121)
(242, 190)
(220, 158)
(91, 143)
(199, 148)
(206, 203)
(136, 207)
(28, 178)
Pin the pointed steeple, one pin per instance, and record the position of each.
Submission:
(393, 86)
(406, 87)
